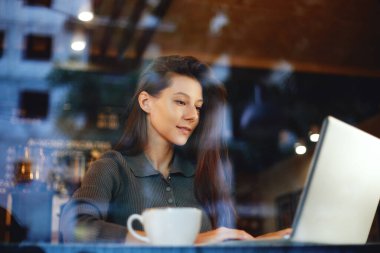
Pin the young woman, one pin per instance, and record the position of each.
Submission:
(171, 154)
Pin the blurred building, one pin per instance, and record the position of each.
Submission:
(34, 39)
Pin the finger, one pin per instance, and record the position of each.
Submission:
(286, 231)
(239, 235)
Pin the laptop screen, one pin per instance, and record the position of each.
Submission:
(342, 190)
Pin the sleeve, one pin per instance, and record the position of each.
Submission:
(83, 218)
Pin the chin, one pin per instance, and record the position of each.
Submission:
(180, 142)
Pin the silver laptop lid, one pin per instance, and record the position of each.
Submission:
(342, 191)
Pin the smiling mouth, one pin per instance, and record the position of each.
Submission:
(185, 130)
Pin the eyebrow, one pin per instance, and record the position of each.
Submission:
(184, 94)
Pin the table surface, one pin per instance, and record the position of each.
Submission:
(224, 248)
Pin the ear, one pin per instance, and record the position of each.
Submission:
(145, 101)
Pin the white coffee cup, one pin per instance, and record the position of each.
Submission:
(172, 226)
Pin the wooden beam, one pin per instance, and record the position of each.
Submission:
(147, 35)
(116, 11)
(131, 28)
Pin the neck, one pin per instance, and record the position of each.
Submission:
(159, 152)
(160, 158)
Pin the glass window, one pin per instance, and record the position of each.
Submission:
(33, 104)
(285, 65)
(38, 47)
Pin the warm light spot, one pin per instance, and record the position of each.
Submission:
(78, 45)
(300, 149)
(85, 16)
(314, 137)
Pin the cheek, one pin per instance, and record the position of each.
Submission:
(164, 115)
(195, 124)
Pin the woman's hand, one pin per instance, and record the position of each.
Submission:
(276, 235)
(221, 234)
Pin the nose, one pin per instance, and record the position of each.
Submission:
(191, 113)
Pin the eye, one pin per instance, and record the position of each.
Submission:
(198, 108)
(180, 102)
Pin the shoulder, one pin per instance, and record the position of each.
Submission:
(106, 172)
(110, 163)
(110, 159)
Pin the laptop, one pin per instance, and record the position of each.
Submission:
(342, 190)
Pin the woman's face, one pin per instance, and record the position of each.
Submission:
(174, 113)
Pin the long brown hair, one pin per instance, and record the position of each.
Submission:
(213, 175)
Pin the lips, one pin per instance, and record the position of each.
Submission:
(185, 130)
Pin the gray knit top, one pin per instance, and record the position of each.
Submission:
(116, 186)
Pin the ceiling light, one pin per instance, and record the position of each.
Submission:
(85, 16)
(314, 137)
(300, 149)
(314, 133)
(79, 45)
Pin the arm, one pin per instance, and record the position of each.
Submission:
(84, 216)
(221, 234)
(277, 234)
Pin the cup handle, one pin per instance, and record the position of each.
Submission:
(132, 231)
